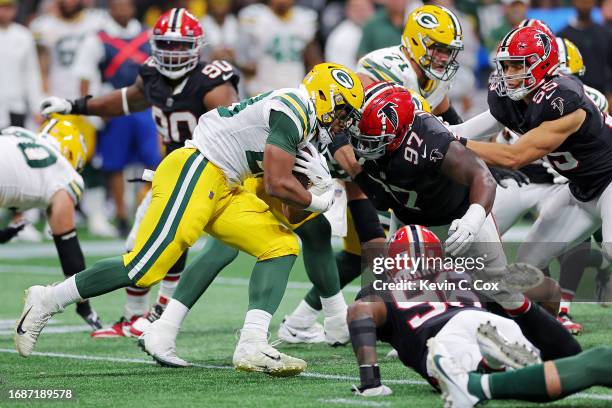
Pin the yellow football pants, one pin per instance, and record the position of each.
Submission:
(256, 186)
(189, 196)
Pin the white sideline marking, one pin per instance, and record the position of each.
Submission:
(52, 329)
(56, 271)
(602, 397)
(363, 403)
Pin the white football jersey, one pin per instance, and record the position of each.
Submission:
(276, 45)
(62, 39)
(32, 171)
(390, 64)
(234, 138)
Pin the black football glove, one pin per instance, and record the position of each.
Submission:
(10, 232)
(500, 174)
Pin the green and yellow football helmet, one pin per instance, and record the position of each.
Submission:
(570, 59)
(67, 139)
(433, 38)
(333, 88)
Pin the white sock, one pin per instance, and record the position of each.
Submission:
(166, 290)
(256, 324)
(66, 293)
(303, 316)
(334, 305)
(175, 313)
(137, 302)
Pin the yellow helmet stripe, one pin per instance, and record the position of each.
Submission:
(456, 23)
(385, 72)
(295, 109)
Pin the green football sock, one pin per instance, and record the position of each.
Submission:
(202, 270)
(319, 256)
(102, 277)
(576, 373)
(268, 283)
(349, 267)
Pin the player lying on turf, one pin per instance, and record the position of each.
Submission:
(180, 88)
(41, 171)
(198, 188)
(408, 319)
(543, 382)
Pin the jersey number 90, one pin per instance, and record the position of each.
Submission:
(174, 126)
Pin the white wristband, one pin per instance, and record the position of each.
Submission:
(124, 101)
(318, 203)
(475, 216)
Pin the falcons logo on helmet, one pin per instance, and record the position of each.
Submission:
(544, 41)
(388, 113)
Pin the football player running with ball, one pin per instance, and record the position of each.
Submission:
(180, 89)
(198, 188)
(41, 171)
(557, 120)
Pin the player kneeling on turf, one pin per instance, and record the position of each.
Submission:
(41, 171)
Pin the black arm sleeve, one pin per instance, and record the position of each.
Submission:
(451, 116)
(373, 190)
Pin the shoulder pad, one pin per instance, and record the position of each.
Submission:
(216, 73)
(298, 108)
(558, 97)
(386, 64)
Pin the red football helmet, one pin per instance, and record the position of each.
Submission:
(530, 48)
(387, 115)
(415, 241)
(176, 43)
(537, 24)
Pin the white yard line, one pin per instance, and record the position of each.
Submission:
(582, 395)
(56, 271)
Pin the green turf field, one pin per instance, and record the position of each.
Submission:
(115, 373)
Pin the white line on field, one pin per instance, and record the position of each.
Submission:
(52, 329)
(56, 271)
(602, 397)
(347, 401)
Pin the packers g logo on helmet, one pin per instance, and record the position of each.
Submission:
(343, 78)
(67, 139)
(427, 20)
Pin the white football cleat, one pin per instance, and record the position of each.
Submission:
(296, 335)
(259, 356)
(452, 378)
(159, 341)
(38, 308)
(380, 391)
(498, 351)
(336, 330)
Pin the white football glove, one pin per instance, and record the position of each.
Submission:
(53, 104)
(462, 231)
(557, 178)
(380, 391)
(313, 165)
(323, 202)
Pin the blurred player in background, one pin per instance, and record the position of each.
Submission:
(114, 56)
(58, 36)
(276, 45)
(41, 171)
